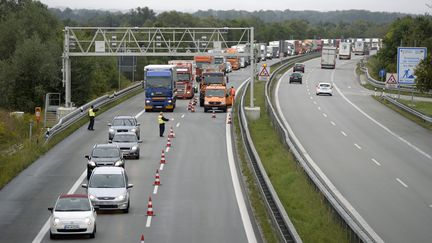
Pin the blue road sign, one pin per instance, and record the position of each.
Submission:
(382, 73)
(408, 58)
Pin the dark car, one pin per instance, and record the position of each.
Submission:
(104, 155)
(299, 67)
(296, 77)
(128, 144)
(123, 124)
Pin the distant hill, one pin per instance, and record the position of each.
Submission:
(268, 16)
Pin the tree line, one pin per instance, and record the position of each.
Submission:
(31, 42)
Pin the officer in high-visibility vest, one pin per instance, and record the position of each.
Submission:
(161, 121)
(91, 113)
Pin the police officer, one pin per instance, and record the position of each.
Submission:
(92, 113)
(161, 121)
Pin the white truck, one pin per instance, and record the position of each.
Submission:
(263, 51)
(359, 48)
(328, 57)
(345, 51)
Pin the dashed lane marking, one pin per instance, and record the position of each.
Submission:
(139, 114)
(324, 114)
(376, 162)
(155, 190)
(358, 146)
(178, 124)
(183, 115)
(402, 183)
(343, 133)
(333, 123)
(161, 167)
(148, 223)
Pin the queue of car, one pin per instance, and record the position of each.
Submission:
(297, 76)
(108, 186)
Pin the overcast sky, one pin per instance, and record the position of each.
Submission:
(404, 6)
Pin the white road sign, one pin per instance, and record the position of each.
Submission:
(408, 59)
(391, 81)
(264, 73)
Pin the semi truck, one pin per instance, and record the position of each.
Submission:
(328, 57)
(233, 58)
(345, 51)
(359, 48)
(217, 98)
(185, 78)
(160, 87)
(263, 51)
(201, 61)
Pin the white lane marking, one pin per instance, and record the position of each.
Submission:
(149, 219)
(333, 123)
(315, 102)
(250, 234)
(402, 183)
(349, 87)
(324, 114)
(319, 108)
(430, 206)
(167, 149)
(183, 115)
(343, 133)
(139, 114)
(358, 146)
(155, 190)
(311, 98)
(161, 167)
(178, 124)
(317, 169)
(46, 226)
(376, 162)
(382, 126)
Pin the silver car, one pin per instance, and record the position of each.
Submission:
(72, 214)
(123, 124)
(128, 144)
(108, 189)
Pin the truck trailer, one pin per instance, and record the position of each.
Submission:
(345, 51)
(328, 57)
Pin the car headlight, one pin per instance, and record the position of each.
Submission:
(119, 163)
(92, 163)
(87, 220)
(169, 101)
(134, 148)
(111, 130)
(56, 221)
(147, 101)
(121, 197)
(188, 92)
(92, 197)
(133, 130)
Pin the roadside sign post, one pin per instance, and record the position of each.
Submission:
(382, 74)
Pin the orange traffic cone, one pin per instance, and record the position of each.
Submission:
(189, 106)
(193, 109)
(150, 208)
(171, 133)
(142, 238)
(229, 118)
(157, 179)
(168, 143)
(162, 160)
(213, 114)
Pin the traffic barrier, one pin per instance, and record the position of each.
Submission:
(157, 179)
(162, 160)
(150, 208)
(171, 133)
(213, 114)
(193, 109)
(142, 238)
(168, 143)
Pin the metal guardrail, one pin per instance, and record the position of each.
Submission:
(81, 112)
(357, 228)
(285, 229)
(407, 108)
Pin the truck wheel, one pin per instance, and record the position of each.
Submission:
(147, 110)
(201, 103)
(205, 110)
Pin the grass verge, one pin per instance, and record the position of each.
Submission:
(305, 206)
(422, 106)
(256, 200)
(12, 165)
(407, 115)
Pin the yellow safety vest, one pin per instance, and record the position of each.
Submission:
(91, 112)
(160, 120)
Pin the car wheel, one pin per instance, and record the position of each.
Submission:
(93, 234)
(127, 209)
(138, 156)
(52, 236)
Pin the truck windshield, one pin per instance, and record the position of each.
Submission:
(200, 64)
(158, 82)
(183, 76)
(215, 93)
(213, 79)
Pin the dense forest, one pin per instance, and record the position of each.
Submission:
(31, 42)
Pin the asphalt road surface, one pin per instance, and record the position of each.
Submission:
(380, 161)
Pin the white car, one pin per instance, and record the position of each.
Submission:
(324, 88)
(73, 214)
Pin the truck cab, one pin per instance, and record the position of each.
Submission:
(211, 78)
(160, 88)
(217, 98)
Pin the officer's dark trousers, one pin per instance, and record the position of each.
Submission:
(161, 129)
(91, 123)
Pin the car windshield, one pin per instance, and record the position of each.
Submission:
(158, 82)
(106, 181)
(215, 93)
(119, 137)
(183, 76)
(72, 204)
(324, 85)
(105, 153)
(123, 122)
(214, 78)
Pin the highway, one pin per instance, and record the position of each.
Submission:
(379, 161)
(200, 200)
